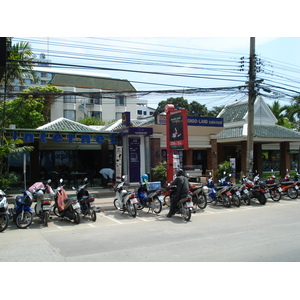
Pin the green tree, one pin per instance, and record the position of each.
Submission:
(9, 148)
(293, 112)
(31, 109)
(178, 103)
(19, 65)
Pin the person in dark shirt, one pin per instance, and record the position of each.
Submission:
(181, 191)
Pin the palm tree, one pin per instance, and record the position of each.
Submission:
(19, 63)
(280, 112)
(293, 113)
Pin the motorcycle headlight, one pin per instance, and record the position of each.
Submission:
(205, 189)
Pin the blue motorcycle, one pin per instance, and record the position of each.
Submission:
(22, 213)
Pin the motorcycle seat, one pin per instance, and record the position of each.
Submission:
(272, 185)
(287, 182)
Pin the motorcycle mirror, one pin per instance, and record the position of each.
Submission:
(49, 181)
(61, 180)
(85, 179)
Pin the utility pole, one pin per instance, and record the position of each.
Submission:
(251, 100)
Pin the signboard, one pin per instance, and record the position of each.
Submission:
(119, 152)
(126, 119)
(177, 129)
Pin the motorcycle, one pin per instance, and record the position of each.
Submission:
(65, 207)
(274, 187)
(245, 193)
(199, 197)
(258, 189)
(125, 200)
(233, 189)
(22, 212)
(185, 206)
(43, 206)
(289, 187)
(86, 201)
(149, 199)
(4, 217)
(218, 194)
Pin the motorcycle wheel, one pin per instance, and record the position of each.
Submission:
(262, 199)
(156, 204)
(93, 215)
(246, 199)
(26, 221)
(167, 200)
(275, 195)
(116, 204)
(76, 217)
(186, 213)
(292, 193)
(236, 200)
(56, 212)
(202, 201)
(226, 201)
(3, 222)
(131, 208)
(46, 217)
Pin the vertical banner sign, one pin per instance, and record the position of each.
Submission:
(178, 132)
(119, 153)
(126, 119)
(168, 109)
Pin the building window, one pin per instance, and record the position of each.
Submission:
(28, 81)
(118, 115)
(95, 98)
(151, 113)
(69, 98)
(145, 113)
(120, 101)
(139, 112)
(70, 114)
(96, 114)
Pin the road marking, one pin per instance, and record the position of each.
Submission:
(112, 219)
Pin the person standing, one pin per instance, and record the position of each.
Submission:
(181, 191)
(107, 176)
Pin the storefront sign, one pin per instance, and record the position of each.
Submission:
(196, 121)
(58, 138)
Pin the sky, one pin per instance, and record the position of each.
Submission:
(217, 33)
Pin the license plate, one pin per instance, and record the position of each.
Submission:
(296, 187)
(76, 205)
(279, 189)
(228, 193)
(46, 207)
(238, 193)
(246, 192)
(267, 195)
(161, 198)
(134, 201)
(92, 204)
(189, 204)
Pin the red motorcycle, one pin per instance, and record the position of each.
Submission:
(274, 188)
(289, 187)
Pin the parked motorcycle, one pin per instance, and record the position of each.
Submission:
(245, 193)
(184, 205)
(274, 187)
(43, 206)
(218, 194)
(65, 207)
(86, 201)
(149, 199)
(289, 187)
(233, 189)
(22, 212)
(4, 217)
(199, 196)
(125, 200)
(258, 189)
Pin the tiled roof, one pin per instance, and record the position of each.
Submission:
(65, 124)
(261, 131)
(234, 112)
(82, 81)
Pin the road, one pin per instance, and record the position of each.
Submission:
(254, 233)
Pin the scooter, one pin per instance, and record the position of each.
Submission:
(258, 189)
(184, 205)
(22, 212)
(125, 200)
(86, 201)
(218, 194)
(199, 196)
(233, 189)
(66, 207)
(149, 199)
(4, 217)
(289, 187)
(43, 206)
